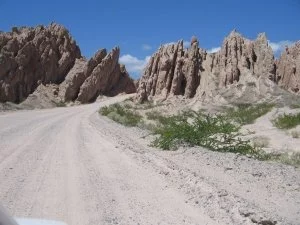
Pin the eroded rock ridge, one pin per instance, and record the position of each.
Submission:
(46, 55)
(240, 63)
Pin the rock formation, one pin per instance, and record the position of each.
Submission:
(288, 68)
(69, 88)
(102, 74)
(32, 57)
(241, 64)
(29, 56)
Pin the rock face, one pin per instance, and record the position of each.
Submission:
(288, 68)
(239, 56)
(193, 72)
(69, 88)
(32, 57)
(172, 70)
(102, 74)
(29, 56)
(100, 78)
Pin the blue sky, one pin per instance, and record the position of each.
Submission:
(139, 27)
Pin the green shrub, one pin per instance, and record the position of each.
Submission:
(247, 114)
(121, 114)
(287, 121)
(295, 106)
(153, 115)
(157, 116)
(213, 132)
(292, 159)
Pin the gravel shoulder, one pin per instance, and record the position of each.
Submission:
(73, 165)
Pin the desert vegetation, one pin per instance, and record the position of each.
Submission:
(295, 106)
(121, 114)
(287, 121)
(214, 132)
(247, 113)
(217, 132)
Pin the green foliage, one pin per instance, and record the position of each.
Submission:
(157, 116)
(247, 114)
(292, 159)
(219, 132)
(197, 129)
(121, 115)
(287, 121)
(147, 105)
(295, 106)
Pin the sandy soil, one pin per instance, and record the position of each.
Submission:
(72, 165)
(277, 140)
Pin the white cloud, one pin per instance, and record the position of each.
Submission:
(146, 47)
(186, 44)
(134, 65)
(213, 50)
(279, 46)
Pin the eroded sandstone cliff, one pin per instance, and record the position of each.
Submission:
(102, 74)
(288, 68)
(31, 57)
(241, 64)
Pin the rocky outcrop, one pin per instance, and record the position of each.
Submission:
(69, 88)
(82, 69)
(172, 70)
(288, 68)
(35, 57)
(240, 63)
(240, 56)
(44, 96)
(29, 56)
(104, 75)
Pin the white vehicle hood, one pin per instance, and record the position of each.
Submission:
(26, 221)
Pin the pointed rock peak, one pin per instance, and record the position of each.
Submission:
(116, 48)
(56, 26)
(262, 37)
(180, 44)
(101, 52)
(194, 39)
(293, 49)
(99, 55)
(53, 24)
(234, 33)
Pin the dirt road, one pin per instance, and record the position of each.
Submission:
(72, 165)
